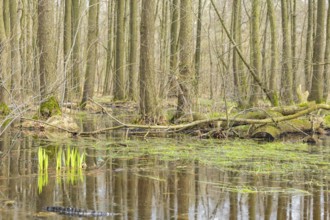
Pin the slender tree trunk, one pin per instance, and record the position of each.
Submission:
(309, 46)
(318, 55)
(46, 38)
(186, 70)
(255, 50)
(286, 78)
(173, 90)
(133, 74)
(119, 84)
(240, 84)
(273, 82)
(75, 16)
(16, 70)
(148, 103)
(107, 83)
(294, 45)
(198, 46)
(88, 91)
(327, 58)
(67, 48)
(4, 89)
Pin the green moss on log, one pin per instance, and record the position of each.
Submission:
(4, 109)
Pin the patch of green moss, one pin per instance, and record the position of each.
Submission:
(326, 122)
(49, 108)
(4, 109)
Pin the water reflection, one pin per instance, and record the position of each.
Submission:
(149, 187)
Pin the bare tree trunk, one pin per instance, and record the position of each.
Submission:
(318, 55)
(174, 47)
(88, 91)
(3, 61)
(133, 74)
(286, 78)
(76, 23)
(309, 45)
(186, 70)
(255, 51)
(67, 48)
(293, 22)
(107, 78)
(148, 103)
(273, 82)
(327, 58)
(119, 84)
(198, 46)
(16, 70)
(46, 47)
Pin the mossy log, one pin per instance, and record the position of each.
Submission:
(274, 131)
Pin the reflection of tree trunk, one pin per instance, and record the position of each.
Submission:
(184, 181)
(252, 205)
(91, 188)
(196, 187)
(13, 168)
(132, 182)
(282, 204)
(172, 189)
(120, 186)
(269, 201)
(317, 201)
(233, 198)
(144, 197)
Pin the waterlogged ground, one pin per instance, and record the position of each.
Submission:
(162, 178)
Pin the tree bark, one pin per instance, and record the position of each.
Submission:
(47, 51)
(75, 16)
(175, 4)
(286, 78)
(16, 70)
(4, 89)
(148, 109)
(198, 46)
(273, 82)
(107, 77)
(318, 55)
(119, 84)
(133, 75)
(186, 71)
(327, 58)
(88, 91)
(255, 51)
(309, 45)
(67, 48)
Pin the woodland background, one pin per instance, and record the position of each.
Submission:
(248, 52)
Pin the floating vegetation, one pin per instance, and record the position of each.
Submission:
(243, 157)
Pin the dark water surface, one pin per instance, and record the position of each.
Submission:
(161, 178)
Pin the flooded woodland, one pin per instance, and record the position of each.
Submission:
(177, 177)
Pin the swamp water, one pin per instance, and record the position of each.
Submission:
(162, 178)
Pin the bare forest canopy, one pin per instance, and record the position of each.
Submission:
(250, 53)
